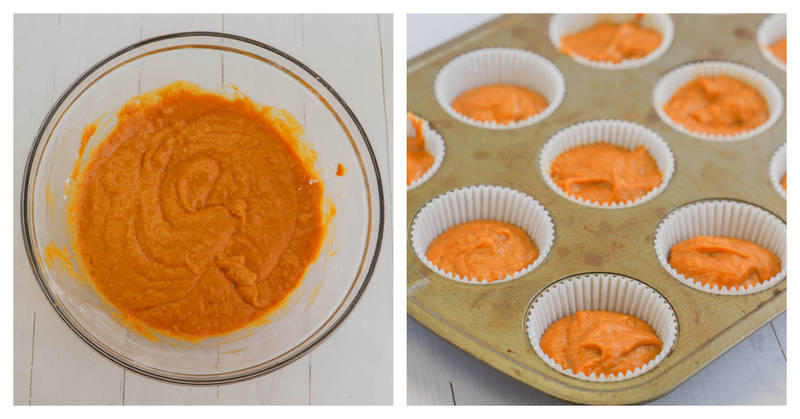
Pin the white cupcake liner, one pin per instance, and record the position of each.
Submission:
(483, 202)
(777, 168)
(666, 87)
(499, 65)
(434, 144)
(772, 29)
(621, 133)
(567, 24)
(608, 292)
(722, 218)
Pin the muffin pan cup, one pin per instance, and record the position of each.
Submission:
(666, 87)
(434, 144)
(562, 25)
(772, 29)
(619, 133)
(485, 66)
(482, 202)
(777, 169)
(606, 292)
(490, 321)
(722, 218)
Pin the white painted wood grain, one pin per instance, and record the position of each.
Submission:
(49, 375)
(363, 87)
(286, 386)
(753, 372)
(430, 369)
(284, 32)
(386, 26)
(779, 328)
(440, 373)
(32, 99)
(60, 356)
(139, 390)
(51, 364)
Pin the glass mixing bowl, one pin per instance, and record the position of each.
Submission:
(215, 61)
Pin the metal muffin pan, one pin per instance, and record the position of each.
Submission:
(488, 321)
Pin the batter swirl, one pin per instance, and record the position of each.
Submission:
(197, 214)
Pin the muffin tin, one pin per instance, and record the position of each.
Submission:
(489, 320)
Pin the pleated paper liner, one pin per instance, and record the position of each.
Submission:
(666, 87)
(772, 29)
(621, 133)
(482, 202)
(562, 25)
(486, 66)
(601, 291)
(725, 218)
(434, 144)
(777, 169)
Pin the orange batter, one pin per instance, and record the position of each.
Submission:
(501, 103)
(483, 249)
(717, 105)
(600, 342)
(723, 261)
(418, 161)
(778, 49)
(783, 182)
(198, 214)
(605, 173)
(612, 42)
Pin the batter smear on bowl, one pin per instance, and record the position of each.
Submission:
(724, 261)
(198, 214)
(717, 105)
(612, 42)
(482, 249)
(501, 103)
(600, 342)
(606, 173)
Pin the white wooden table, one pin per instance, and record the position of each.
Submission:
(753, 372)
(354, 366)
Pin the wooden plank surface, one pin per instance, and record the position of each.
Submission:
(353, 366)
(753, 372)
